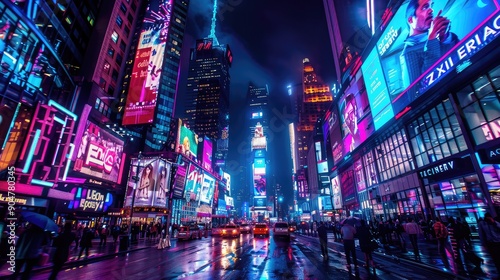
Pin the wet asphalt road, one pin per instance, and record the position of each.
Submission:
(241, 258)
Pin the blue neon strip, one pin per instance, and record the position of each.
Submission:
(42, 183)
(11, 125)
(62, 109)
(59, 120)
(32, 151)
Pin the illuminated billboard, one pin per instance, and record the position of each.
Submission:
(162, 185)
(207, 189)
(325, 203)
(145, 78)
(179, 179)
(411, 56)
(259, 183)
(206, 159)
(90, 200)
(256, 115)
(355, 114)
(98, 153)
(228, 181)
(336, 193)
(187, 141)
(259, 166)
(347, 187)
(194, 181)
(142, 178)
(335, 135)
(259, 140)
(359, 176)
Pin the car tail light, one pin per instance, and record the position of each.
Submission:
(234, 231)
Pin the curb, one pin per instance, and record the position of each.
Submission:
(71, 264)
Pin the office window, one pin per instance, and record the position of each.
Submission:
(115, 36)
(123, 8)
(111, 51)
(393, 156)
(119, 20)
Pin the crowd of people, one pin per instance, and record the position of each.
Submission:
(452, 236)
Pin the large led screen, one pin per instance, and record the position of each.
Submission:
(259, 183)
(194, 180)
(259, 166)
(162, 185)
(98, 153)
(142, 178)
(411, 55)
(227, 177)
(335, 135)
(206, 159)
(145, 78)
(179, 179)
(207, 189)
(355, 114)
(347, 187)
(336, 193)
(359, 176)
(325, 203)
(187, 141)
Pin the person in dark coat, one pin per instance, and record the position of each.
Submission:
(365, 243)
(28, 250)
(323, 240)
(86, 242)
(62, 244)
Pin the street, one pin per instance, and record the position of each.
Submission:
(242, 258)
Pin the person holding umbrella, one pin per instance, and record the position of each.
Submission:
(28, 250)
(62, 243)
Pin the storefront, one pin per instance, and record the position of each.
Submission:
(21, 203)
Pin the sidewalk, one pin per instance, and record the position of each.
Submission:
(96, 253)
(430, 258)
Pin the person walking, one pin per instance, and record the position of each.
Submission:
(28, 250)
(348, 232)
(62, 244)
(365, 243)
(413, 230)
(86, 242)
(323, 240)
(78, 234)
(103, 235)
(489, 233)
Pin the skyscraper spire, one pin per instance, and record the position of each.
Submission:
(212, 27)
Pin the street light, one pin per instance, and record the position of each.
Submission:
(136, 179)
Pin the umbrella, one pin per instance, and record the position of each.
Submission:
(40, 220)
(353, 221)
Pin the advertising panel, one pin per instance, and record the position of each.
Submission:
(260, 153)
(179, 180)
(162, 184)
(359, 176)
(90, 200)
(355, 114)
(99, 154)
(206, 159)
(259, 183)
(259, 166)
(259, 202)
(187, 141)
(144, 83)
(228, 181)
(337, 194)
(259, 140)
(207, 189)
(143, 181)
(411, 55)
(347, 187)
(335, 135)
(325, 203)
(194, 180)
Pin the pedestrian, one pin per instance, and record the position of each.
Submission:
(29, 247)
(413, 230)
(86, 242)
(489, 233)
(348, 232)
(78, 235)
(365, 243)
(323, 240)
(115, 232)
(62, 244)
(441, 233)
(314, 228)
(103, 235)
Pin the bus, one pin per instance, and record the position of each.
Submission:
(217, 222)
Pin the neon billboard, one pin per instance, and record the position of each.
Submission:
(187, 141)
(145, 78)
(407, 61)
(207, 189)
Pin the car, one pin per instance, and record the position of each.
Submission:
(245, 228)
(230, 230)
(189, 232)
(261, 229)
(292, 228)
(281, 229)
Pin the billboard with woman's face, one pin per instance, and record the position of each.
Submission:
(142, 178)
(162, 184)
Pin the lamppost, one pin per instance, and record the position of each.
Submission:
(136, 179)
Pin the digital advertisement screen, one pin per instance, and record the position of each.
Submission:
(228, 181)
(187, 141)
(412, 56)
(194, 180)
(259, 166)
(256, 115)
(179, 181)
(359, 176)
(207, 189)
(260, 153)
(98, 153)
(335, 135)
(355, 114)
(259, 183)
(162, 184)
(325, 203)
(347, 187)
(145, 171)
(207, 154)
(336, 193)
(90, 200)
(145, 78)
(259, 202)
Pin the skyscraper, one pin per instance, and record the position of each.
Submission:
(150, 89)
(207, 92)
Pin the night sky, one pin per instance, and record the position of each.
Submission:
(268, 39)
